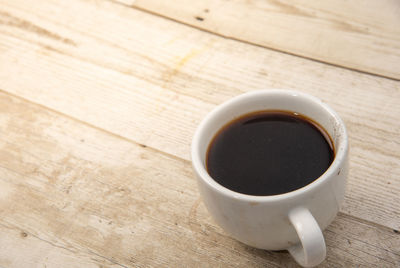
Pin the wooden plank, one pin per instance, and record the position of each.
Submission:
(72, 195)
(151, 80)
(360, 35)
(21, 249)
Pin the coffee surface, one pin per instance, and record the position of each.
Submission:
(269, 153)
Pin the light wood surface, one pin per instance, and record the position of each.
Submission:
(361, 34)
(98, 104)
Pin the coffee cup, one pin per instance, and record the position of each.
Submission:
(290, 221)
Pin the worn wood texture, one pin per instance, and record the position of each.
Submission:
(73, 195)
(21, 249)
(153, 80)
(362, 35)
(98, 106)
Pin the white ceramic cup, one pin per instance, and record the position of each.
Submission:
(292, 220)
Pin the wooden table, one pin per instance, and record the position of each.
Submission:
(99, 101)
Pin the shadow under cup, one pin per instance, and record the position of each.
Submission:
(263, 221)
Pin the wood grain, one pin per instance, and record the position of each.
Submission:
(38, 252)
(153, 80)
(72, 196)
(361, 35)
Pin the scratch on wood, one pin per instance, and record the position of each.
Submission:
(52, 49)
(186, 58)
(347, 27)
(10, 20)
(291, 9)
(192, 220)
(107, 258)
(182, 61)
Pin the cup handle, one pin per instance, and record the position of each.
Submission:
(311, 249)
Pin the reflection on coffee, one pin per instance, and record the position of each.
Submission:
(269, 153)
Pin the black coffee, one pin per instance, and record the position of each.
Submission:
(269, 153)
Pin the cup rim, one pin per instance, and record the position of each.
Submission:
(200, 169)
